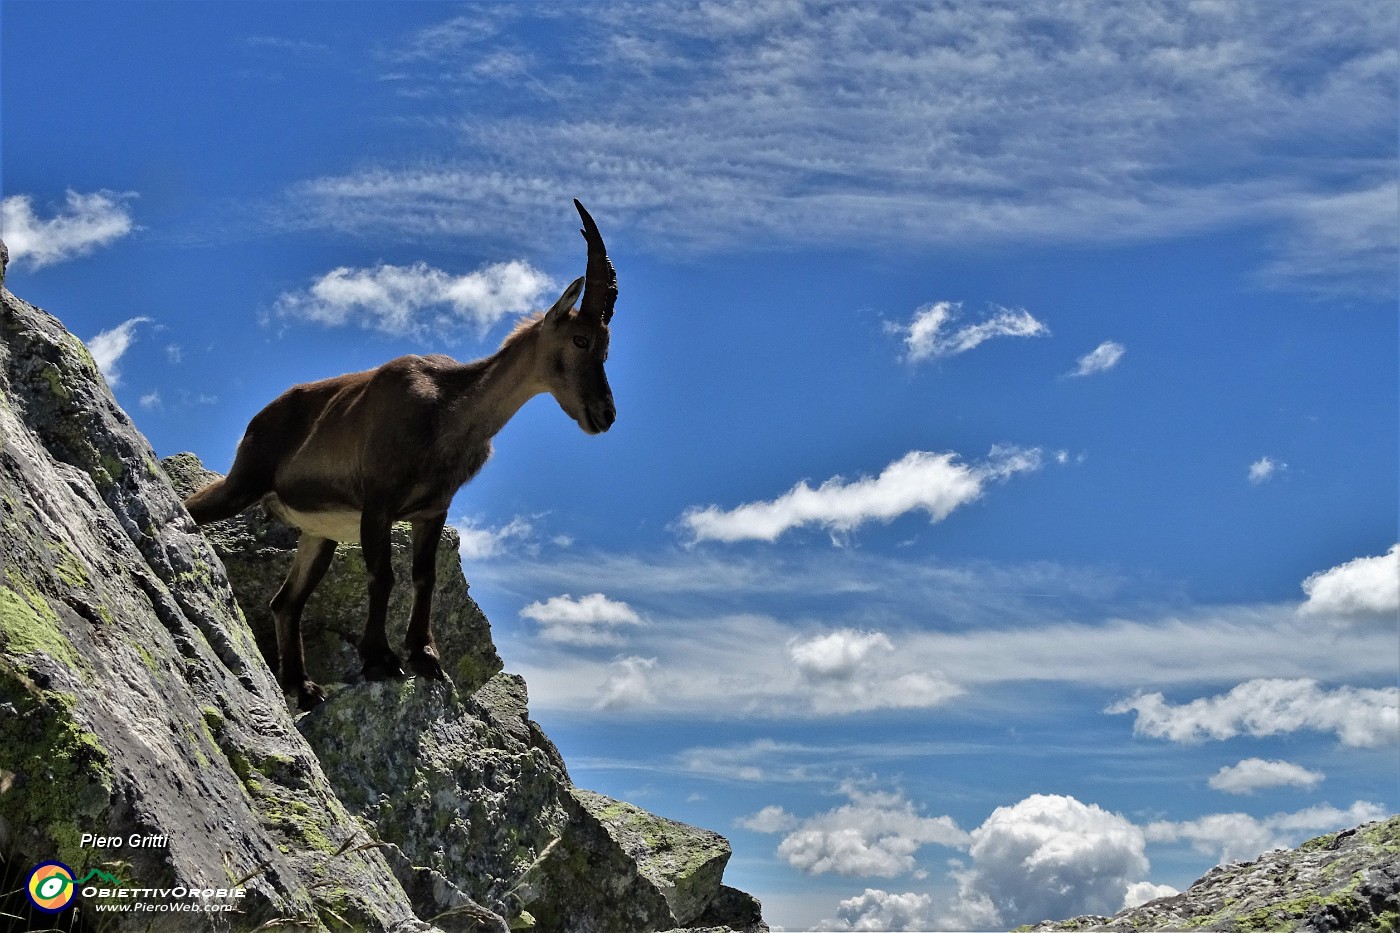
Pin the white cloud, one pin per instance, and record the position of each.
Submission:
(629, 684)
(919, 481)
(151, 400)
(481, 543)
(1359, 717)
(1264, 469)
(771, 819)
(881, 910)
(1100, 359)
(1364, 586)
(1255, 773)
(875, 834)
(588, 621)
(1048, 856)
(108, 347)
(86, 222)
(418, 298)
(851, 671)
(926, 336)
(1233, 837)
(1140, 892)
(1340, 243)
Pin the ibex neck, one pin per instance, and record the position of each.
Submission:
(502, 383)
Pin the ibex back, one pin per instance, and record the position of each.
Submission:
(343, 459)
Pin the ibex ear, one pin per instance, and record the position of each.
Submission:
(565, 304)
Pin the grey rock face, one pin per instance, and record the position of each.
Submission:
(132, 697)
(135, 700)
(1347, 881)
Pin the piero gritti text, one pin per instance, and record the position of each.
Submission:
(134, 841)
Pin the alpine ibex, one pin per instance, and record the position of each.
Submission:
(343, 459)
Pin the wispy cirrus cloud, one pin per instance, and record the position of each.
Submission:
(110, 346)
(1099, 360)
(934, 483)
(930, 334)
(704, 126)
(86, 222)
(417, 299)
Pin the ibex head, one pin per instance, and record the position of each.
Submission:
(574, 345)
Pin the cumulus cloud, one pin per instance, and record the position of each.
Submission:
(1140, 892)
(480, 542)
(851, 671)
(1359, 716)
(919, 481)
(418, 298)
(1234, 837)
(874, 834)
(1048, 856)
(588, 621)
(929, 335)
(1100, 359)
(771, 819)
(1256, 773)
(108, 347)
(881, 910)
(1265, 469)
(628, 684)
(1364, 586)
(85, 223)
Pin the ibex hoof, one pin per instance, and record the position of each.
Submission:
(309, 695)
(424, 662)
(385, 667)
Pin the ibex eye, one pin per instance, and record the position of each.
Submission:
(581, 343)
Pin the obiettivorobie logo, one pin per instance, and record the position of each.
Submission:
(51, 885)
(52, 888)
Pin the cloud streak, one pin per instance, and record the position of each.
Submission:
(1099, 360)
(85, 223)
(929, 335)
(1358, 717)
(933, 483)
(588, 621)
(416, 299)
(1256, 774)
(110, 346)
(714, 129)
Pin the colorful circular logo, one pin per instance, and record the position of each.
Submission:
(51, 886)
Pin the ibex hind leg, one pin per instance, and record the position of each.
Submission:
(312, 559)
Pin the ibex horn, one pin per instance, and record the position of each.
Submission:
(600, 278)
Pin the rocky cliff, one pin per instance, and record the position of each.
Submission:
(145, 744)
(1346, 882)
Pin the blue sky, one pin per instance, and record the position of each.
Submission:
(1004, 487)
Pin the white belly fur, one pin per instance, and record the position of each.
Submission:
(338, 526)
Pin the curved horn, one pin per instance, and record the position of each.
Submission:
(600, 279)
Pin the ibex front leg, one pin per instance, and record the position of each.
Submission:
(308, 567)
(379, 662)
(422, 651)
